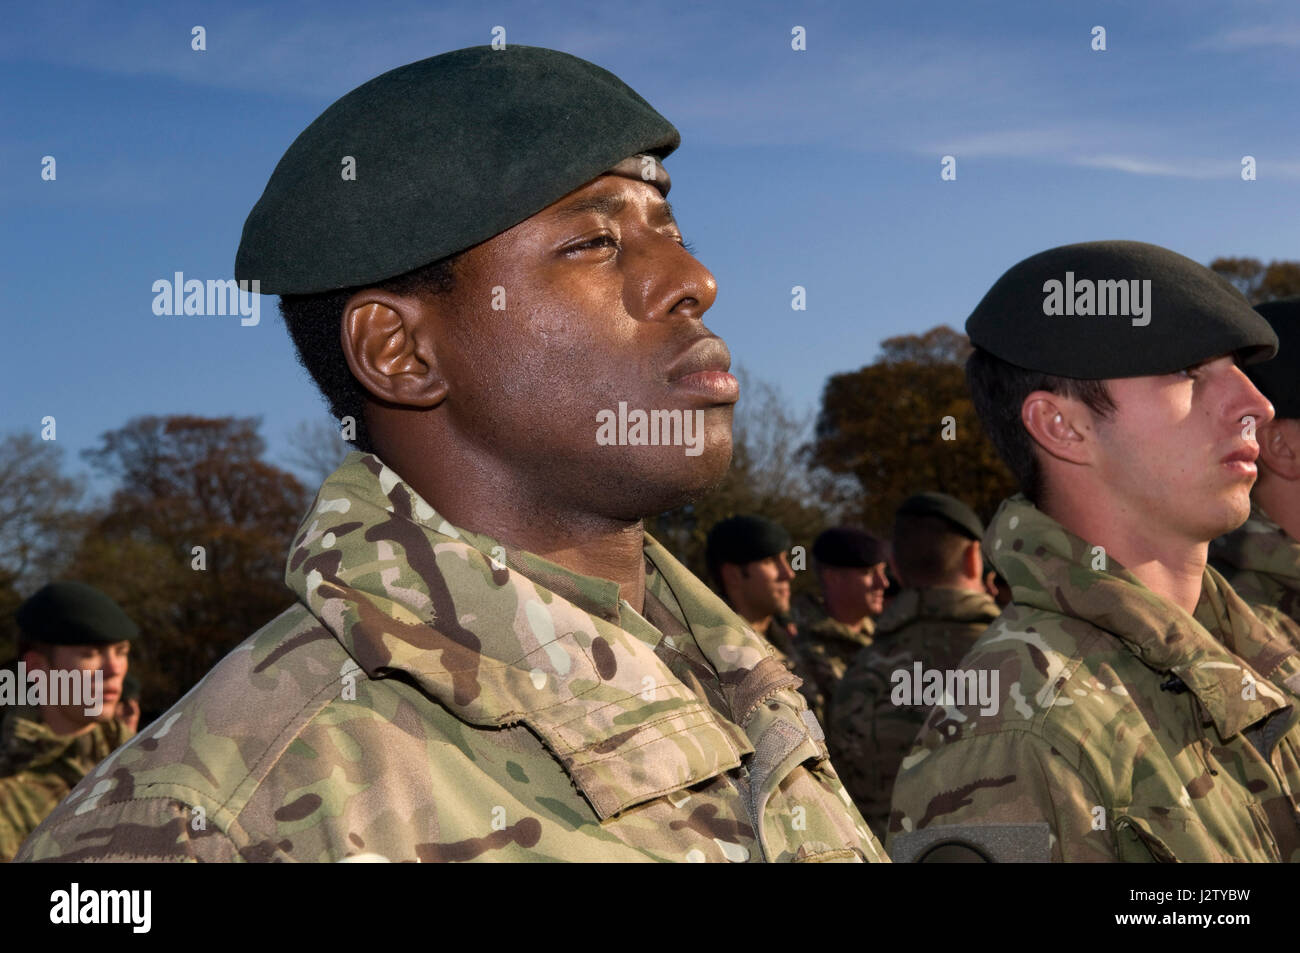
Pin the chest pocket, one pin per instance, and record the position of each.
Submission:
(1177, 835)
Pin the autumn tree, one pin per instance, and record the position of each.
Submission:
(1257, 281)
(905, 424)
(40, 523)
(193, 542)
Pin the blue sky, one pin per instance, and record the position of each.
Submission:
(818, 168)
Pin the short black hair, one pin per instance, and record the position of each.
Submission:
(927, 550)
(314, 322)
(998, 390)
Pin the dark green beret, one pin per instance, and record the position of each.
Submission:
(846, 546)
(449, 152)
(744, 539)
(960, 516)
(1115, 309)
(72, 613)
(1279, 379)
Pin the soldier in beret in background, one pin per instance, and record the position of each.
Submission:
(1262, 558)
(489, 659)
(1142, 710)
(935, 620)
(51, 743)
(850, 565)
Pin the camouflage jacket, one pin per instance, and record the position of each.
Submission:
(1262, 562)
(827, 647)
(1122, 728)
(438, 696)
(868, 734)
(38, 768)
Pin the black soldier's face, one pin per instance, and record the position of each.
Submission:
(1178, 455)
(590, 304)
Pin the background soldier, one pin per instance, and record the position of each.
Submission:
(489, 659)
(1142, 710)
(935, 620)
(46, 749)
(850, 565)
(749, 561)
(1262, 558)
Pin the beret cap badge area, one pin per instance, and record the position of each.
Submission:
(447, 152)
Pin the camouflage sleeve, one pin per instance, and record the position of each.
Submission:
(999, 796)
(145, 830)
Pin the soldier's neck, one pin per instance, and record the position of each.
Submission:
(63, 724)
(1171, 568)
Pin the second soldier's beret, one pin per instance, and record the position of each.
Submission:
(73, 613)
(846, 546)
(1099, 310)
(744, 539)
(444, 154)
(1279, 379)
(960, 516)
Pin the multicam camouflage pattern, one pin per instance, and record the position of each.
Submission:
(827, 647)
(1128, 729)
(1262, 562)
(868, 735)
(438, 696)
(38, 768)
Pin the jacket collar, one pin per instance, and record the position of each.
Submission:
(1211, 651)
(938, 604)
(499, 637)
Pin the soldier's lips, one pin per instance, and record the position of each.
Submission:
(718, 387)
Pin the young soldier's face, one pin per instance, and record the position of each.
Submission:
(592, 303)
(1179, 453)
(112, 660)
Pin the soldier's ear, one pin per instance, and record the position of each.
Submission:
(1279, 447)
(389, 344)
(972, 563)
(1057, 424)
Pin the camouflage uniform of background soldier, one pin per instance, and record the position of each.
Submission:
(934, 621)
(850, 567)
(442, 692)
(1131, 725)
(1262, 558)
(39, 765)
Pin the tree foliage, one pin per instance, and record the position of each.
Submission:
(1260, 282)
(885, 426)
(187, 482)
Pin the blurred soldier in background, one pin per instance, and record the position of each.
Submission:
(850, 565)
(934, 621)
(749, 562)
(1262, 557)
(52, 742)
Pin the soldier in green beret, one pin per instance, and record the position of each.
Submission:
(1262, 557)
(489, 658)
(933, 623)
(1128, 704)
(850, 565)
(749, 564)
(57, 719)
